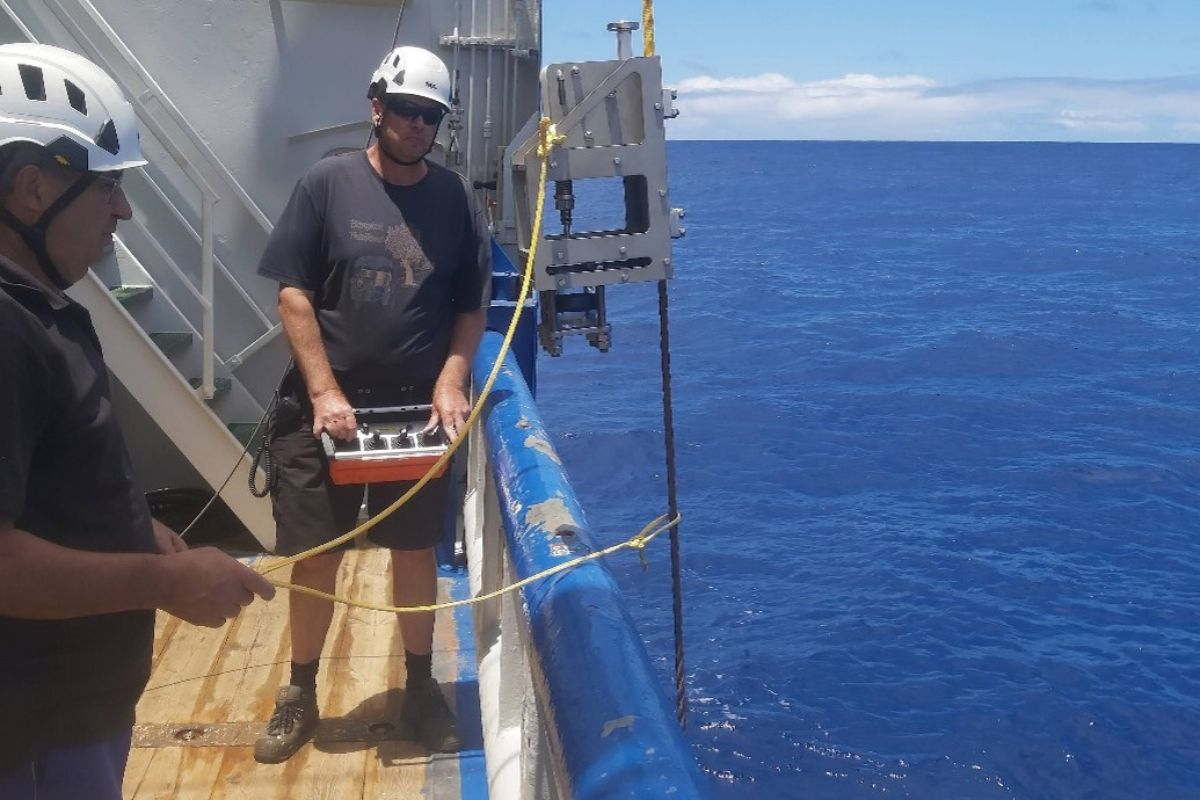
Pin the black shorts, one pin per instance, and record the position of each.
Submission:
(310, 509)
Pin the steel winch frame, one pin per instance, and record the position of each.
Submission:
(611, 116)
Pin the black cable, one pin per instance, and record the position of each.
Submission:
(262, 455)
(183, 534)
(395, 40)
(672, 502)
(399, 19)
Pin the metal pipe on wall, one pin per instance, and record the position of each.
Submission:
(471, 97)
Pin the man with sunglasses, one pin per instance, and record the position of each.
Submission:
(383, 260)
(82, 564)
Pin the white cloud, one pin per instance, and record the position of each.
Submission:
(767, 82)
(864, 106)
(1097, 123)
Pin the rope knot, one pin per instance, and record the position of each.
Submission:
(548, 137)
(639, 543)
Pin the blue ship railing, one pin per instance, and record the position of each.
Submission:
(610, 728)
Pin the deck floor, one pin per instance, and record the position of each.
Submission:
(212, 691)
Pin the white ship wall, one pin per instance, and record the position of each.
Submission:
(236, 100)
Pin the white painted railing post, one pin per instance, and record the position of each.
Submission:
(208, 387)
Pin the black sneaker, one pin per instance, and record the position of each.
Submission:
(427, 716)
(293, 723)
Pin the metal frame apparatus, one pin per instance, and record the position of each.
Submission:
(612, 116)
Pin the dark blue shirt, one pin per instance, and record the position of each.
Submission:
(65, 476)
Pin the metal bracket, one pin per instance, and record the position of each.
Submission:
(677, 230)
(478, 41)
(667, 107)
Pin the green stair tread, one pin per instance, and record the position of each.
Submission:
(171, 342)
(125, 295)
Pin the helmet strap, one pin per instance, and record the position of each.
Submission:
(34, 235)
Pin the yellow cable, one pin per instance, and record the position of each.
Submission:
(648, 28)
(637, 542)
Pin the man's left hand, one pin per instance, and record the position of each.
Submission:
(450, 410)
(166, 540)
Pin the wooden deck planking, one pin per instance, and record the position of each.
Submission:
(252, 663)
(222, 682)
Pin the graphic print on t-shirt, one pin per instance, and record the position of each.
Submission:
(371, 280)
(372, 277)
(404, 247)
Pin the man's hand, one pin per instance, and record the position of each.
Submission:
(166, 540)
(450, 409)
(206, 587)
(333, 414)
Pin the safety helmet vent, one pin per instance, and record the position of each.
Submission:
(76, 98)
(69, 106)
(108, 138)
(34, 80)
(413, 71)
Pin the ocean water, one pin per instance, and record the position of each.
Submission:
(938, 420)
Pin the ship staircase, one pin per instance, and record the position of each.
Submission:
(201, 381)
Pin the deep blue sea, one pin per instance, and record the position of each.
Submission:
(938, 419)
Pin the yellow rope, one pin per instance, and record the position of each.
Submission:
(637, 542)
(548, 137)
(648, 27)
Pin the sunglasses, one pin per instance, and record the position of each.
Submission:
(430, 115)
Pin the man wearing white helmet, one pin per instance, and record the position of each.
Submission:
(82, 564)
(383, 261)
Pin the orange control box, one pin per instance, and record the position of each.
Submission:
(391, 445)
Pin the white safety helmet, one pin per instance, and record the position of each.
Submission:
(62, 101)
(414, 71)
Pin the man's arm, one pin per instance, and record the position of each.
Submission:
(43, 580)
(450, 405)
(166, 540)
(331, 411)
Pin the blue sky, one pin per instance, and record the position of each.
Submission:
(1063, 70)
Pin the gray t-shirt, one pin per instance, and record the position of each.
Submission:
(389, 267)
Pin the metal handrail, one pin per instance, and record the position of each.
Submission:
(174, 268)
(208, 195)
(198, 237)
(208, 387)
(154, 90)
(17, 21)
